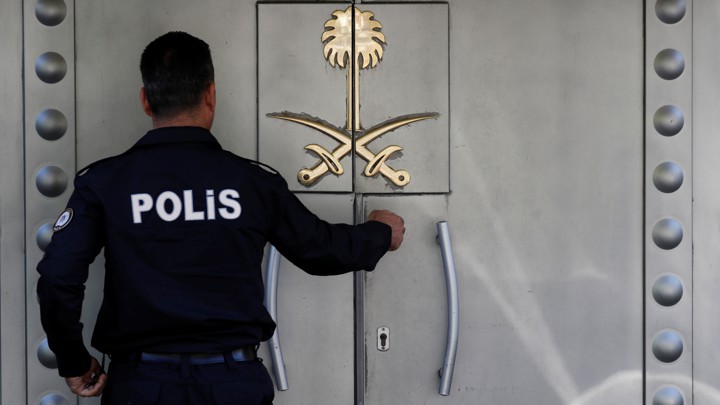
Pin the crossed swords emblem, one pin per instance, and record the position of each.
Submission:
(368, 44)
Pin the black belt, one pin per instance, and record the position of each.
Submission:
(246, 353)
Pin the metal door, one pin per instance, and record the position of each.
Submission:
(315, 331)
(545, 212)
(394, 95)
(546, 198)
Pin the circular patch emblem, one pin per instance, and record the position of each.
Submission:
(63, 220)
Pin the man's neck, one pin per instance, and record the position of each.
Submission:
(178, 123)
(182, 120)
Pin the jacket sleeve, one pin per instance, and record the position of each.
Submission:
(321, 248)
(63, 273)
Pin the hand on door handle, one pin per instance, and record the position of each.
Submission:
(396, 223)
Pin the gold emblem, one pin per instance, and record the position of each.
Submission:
(367, 52)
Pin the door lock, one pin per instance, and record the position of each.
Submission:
(383, 338)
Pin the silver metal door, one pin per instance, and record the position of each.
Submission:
(394, 97)
(315, 323)
(546, 208)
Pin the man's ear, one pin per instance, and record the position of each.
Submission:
(209, 97)
(145, 103)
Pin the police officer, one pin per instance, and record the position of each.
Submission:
(183, 224)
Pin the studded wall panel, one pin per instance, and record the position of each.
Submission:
(668, 202)
(49, 167)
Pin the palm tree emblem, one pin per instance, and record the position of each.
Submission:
(353, 39)
(368, 51)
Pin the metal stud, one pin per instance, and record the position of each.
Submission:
(668, 177)
(667, 290)
(46, 356)
(668, 120)
(50, 12)
(51, 124)
(669, 64)
(51, 67)
(668, 396)
(51, 181)
(670, 11)
(667, 346)
(44, 234)
(53, 399)
(667, 233)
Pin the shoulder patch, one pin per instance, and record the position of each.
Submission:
(63, 220)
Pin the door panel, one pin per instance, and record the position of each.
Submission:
(546, 213)
(411, 79)
(406, 294)
(295, 78)
(316, 323)
(312, 96)
(49, 110)
(669, 230)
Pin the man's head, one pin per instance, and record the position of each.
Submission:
(177, 71)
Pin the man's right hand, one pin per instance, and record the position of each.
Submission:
(90, 384)
(396, 223)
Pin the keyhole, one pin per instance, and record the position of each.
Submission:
(383, 338)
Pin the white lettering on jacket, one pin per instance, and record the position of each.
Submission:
(169, 206)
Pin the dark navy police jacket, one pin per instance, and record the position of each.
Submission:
(184, 224)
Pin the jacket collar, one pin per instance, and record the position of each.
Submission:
(174, 135)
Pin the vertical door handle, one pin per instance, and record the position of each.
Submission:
(453, 303)
(271, 283)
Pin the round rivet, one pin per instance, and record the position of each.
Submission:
(670, 11)
(45, 355)
(44, 234)
(667, 290)
(50, 12)
(667, 346)
(667, 233)
(668, 120)
(51, 124)
(668, 396)
(51, 181)
(50, 67)
(668, 177)
(53, 399)
(669, 64)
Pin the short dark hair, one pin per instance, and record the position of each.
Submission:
(176, 69)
